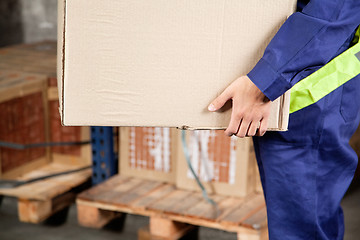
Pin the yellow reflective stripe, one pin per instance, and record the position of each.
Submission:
(328, 78)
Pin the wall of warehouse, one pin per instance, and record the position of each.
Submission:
(26, 21)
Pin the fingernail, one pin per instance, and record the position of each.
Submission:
(211, 108)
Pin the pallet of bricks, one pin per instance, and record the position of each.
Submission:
(29, 115)
(155, 181)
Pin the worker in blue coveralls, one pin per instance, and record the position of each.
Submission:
(305, 171)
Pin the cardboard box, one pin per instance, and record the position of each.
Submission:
(160, 62)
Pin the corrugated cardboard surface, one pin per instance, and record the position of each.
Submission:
(160, 62)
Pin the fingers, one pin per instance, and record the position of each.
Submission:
(252, 128)
(244, 125)
(220, 100)
(263, 126)
(244, 128)
(234, 124)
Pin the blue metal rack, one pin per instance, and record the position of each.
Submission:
(104, 153)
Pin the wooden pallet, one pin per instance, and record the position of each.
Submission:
(40, 200)
(171, 210)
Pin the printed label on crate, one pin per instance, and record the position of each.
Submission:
(149, 148)
(213, 156)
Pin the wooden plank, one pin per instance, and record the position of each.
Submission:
(53, 93)
(86, 150)
(33, 211)
(70, 159)
(153, 196)
(246, 236)
(118, 191)
(63, 201)
(35, 191)
(23, 88)
(264, 235)
(14, 173)
(205, 210)
(210, 224)
(73, 180)
(138, 192)
(170, 201)
(92, 193)
(191, 200)
(257, 220)
(191, 233)
(93, 217)
(167, 228)
(261, 234)
(63, 184)
(47, 189)
(250, 206)
(229, 205)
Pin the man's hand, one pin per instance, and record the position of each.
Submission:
(251, 108)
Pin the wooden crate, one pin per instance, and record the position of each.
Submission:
(29, 108)
(225, 166)
(148, 153)
(171, 210)
(40, 200)
(24, 114)
(38, 59)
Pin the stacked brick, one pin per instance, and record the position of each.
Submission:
(22, 121)
(31, 117)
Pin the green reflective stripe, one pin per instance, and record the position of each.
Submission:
(328, 78)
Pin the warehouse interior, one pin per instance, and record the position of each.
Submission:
(31, 26)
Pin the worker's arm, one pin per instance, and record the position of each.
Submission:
(310, 38)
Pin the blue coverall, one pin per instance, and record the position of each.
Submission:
(306, 171)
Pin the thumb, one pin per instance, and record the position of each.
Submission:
(219, 101)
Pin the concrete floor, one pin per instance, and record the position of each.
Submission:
(12, 229)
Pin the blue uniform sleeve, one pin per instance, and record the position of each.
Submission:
(308, 39)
